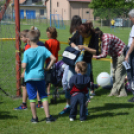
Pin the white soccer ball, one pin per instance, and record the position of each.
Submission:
(103, 79)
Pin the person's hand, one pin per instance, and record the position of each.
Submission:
(22, 75)
(94, 56)
(80, 47)
(126, 58)
(46, 69)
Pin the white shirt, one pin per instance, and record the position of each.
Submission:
(131, 36)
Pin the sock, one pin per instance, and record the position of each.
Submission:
(39, 102)
(67, 106)
(24, 103)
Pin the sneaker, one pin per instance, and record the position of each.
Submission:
(71, 119)
(92, 94)
(39, 105)
(50, 119)
(21, 107)
(34, 120)
(65, 110)
(82, 120)
(131, 100)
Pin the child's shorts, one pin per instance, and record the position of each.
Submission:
(34, 86)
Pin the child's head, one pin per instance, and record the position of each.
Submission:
(51, 32)
(23, 35)
(36, 29)
(81, 67)
(75, 23)
(86, 29)
(33, 36)
(131, 15)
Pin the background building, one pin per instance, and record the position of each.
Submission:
(68, 8)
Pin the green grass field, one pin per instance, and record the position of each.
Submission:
(108, 115)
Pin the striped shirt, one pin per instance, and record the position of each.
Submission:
(111, 45)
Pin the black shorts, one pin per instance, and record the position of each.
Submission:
(23, 83)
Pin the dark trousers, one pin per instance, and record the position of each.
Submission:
(130, 72)
(79, 98)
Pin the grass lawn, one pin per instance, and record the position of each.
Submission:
(108, 115)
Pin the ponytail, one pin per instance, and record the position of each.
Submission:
(99, 32)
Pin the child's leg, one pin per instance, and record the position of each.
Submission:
(82, 100)
(24, 94)
(38, 97)
(73, 107)
(39, 105)
(32, 94)
(46, 108)
(48, 88)
(33, 109)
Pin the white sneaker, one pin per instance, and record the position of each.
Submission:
(71, 119)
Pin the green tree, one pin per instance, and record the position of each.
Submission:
(111, 8)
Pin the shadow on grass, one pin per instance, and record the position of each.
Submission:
(1, 102)
(6, 115)
(112, 106)
(102, 91)
(105, 115)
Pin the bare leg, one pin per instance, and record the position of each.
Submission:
(33, 109)
(48, 88)
(38, 97)
(24, 94)
(46, 108)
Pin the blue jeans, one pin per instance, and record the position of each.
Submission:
(79, 98)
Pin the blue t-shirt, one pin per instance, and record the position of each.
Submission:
(35, 59)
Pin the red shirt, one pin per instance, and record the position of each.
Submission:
(75, 89)
(27, 46)
(111, 45)
(53, 46)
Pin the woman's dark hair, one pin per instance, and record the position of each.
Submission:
(86, 27)
(75, 23)
(99, 32)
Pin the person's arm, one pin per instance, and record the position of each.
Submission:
(71, 83)
(58, 46)
(104, 50)
(90, 50)
(72, 40)
(130, 50)
(24, 62)
(23, 65)
(52, 61)
(22, 75)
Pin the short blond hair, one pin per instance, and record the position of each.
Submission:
(33, 36)
(36, 29)
(82, 65)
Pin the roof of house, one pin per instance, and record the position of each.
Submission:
(81, 0)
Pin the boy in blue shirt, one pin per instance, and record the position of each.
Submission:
(33, 63)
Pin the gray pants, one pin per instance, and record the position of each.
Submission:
(119, 74)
